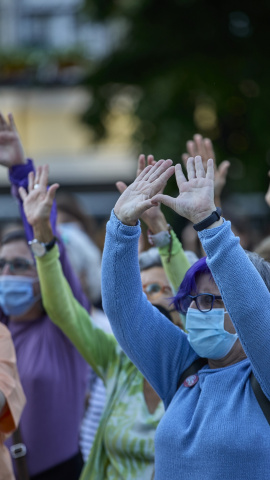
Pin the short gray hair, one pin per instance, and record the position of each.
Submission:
(261, 265)
(149, 259)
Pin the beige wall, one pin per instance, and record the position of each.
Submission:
(48, 122)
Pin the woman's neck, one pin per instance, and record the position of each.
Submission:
(235, 355)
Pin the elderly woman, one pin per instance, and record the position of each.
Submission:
(52, 372)
(206, 430)
(124, 443)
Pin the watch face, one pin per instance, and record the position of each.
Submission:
(38, 249)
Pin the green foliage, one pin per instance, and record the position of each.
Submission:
(190, 66)
(35, 66)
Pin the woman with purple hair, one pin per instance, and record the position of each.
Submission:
(213, 426)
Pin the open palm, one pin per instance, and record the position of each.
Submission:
(136, 198)
(204, 148)
(196, 195)
(153, 217)
(37, 203)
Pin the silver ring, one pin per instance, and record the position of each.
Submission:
(36, 186)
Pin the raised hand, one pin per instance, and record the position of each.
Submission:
(196, 195)
(38, 201)
(121, 186)
(136, 198)
(11, 150)
(153, 218)
(204, 148)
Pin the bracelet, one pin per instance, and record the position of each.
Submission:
(214, 217)
(160, 239)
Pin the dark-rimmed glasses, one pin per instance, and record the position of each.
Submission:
(204, 302)
(17, 265)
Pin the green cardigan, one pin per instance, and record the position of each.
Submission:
(124, 443)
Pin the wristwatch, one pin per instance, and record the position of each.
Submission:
(40, 249)
(214, 217)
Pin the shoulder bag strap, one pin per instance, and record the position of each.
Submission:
(260, 396)
(191, 370)
(18, 453)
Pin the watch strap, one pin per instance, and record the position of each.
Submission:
(50, 244)
(215, 215)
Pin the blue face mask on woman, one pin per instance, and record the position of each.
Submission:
(206, 333)
(17, 294)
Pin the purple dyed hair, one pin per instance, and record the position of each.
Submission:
(188, 284)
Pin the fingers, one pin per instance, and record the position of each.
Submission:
(223, 169)
(22, 193)
(3, 123)
(195, 168)
(141, 164)
(42, 176)
(179, 175)
(143, 173)
(121, 186)
(200, 147)
(151, 160)
(210, 173)
(200, 172)
(31, 181)
(51, 193)
(191, 168)
(185, 157)
(209, 150)
(165, 199)
(157, 169)
(39, 178)
(12, 122)
(191, 148)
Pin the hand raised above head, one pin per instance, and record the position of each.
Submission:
(153, 217)
(136, 198)
(204, 148)
(196, 195)
(11, 150)
(38, 201)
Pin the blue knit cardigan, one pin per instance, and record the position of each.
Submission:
(216, 429)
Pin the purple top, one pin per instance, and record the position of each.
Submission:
(53, 374)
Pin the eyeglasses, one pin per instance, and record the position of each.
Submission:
(17, 265)
(204, 302)
(155, 290)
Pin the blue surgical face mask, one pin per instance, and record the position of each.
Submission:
(206, 333)
(16, 294)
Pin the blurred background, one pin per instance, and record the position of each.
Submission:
(93, 83)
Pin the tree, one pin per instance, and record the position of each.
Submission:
(189, 66)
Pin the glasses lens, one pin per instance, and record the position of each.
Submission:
(21, 265)
(205, 302)
(17, 265)
(152, 288)
(184, 304)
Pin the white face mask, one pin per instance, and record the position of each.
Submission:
(206, 333)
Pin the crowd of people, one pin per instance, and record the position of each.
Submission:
(138, 362)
